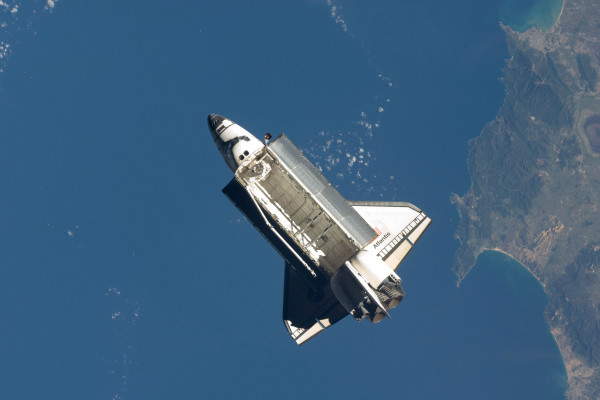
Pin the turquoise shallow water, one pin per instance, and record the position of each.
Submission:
(521, 15)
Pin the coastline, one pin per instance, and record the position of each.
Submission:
(538, 235)
(579, 374)
(532, 21)
(499, 250)
(557, 22)
(577, 371)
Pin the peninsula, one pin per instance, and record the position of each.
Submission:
(535, 172)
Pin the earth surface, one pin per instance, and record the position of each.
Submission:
(125, 273)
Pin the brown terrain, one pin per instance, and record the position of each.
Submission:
(535, 191)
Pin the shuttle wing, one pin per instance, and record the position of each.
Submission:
(398, 226)
(309, 305)
(308, 312)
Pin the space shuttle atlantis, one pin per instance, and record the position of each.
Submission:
(340, 256)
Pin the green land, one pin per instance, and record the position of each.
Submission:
(535, 172)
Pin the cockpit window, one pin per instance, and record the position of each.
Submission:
(215, 120)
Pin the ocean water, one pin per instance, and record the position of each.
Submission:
(521, 15)
(507, 326)
(126, 274)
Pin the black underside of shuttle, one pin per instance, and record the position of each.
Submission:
(306, 298)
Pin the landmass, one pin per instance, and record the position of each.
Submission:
(535, 191)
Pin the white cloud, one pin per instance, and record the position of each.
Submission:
(112, 290)
(4, 49)
(16, 18)
(351, 162)
(334, 13)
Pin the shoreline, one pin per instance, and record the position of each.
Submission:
(556, 23)
(499, 250)
(574, 368)
(535, 26)
(581, 374)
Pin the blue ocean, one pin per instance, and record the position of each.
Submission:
(126, 274)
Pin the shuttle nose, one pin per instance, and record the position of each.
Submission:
(233, 142)
(214, 120)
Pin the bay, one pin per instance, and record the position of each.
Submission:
(521, 15)
(504, 318)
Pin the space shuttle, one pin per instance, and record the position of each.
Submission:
(340, 256)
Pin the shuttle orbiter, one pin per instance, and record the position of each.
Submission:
(340, 256)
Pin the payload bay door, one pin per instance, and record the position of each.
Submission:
(305, 205)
